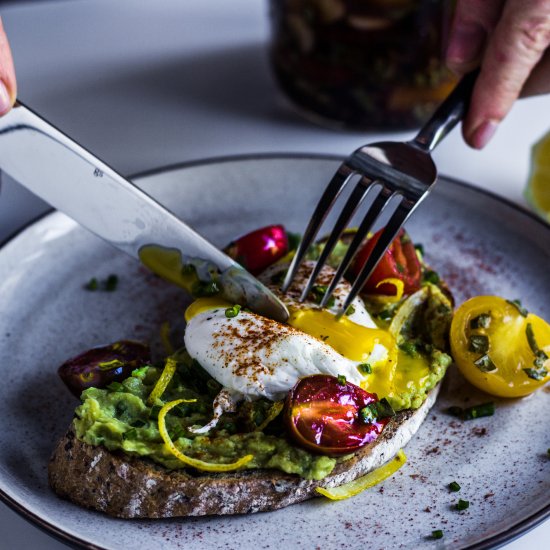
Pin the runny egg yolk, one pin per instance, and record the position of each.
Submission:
(392, 371)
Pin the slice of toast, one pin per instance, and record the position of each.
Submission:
(130, 487)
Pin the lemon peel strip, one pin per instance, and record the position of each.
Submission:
(163, 381)
(365, 482)
(195, 463)
(399, 288)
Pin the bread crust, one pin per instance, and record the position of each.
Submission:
(130, 487)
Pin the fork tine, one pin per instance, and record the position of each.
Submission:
(395, 223)
(331, 193)
(370, 218)
(357, 196)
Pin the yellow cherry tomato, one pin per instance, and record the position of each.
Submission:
(500, 349)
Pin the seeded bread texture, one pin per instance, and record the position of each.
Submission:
(129, 487)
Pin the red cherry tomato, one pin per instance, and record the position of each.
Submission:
(259, 249)
(399, 262)
(323, 415)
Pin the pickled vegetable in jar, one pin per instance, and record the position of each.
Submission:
(364, 64)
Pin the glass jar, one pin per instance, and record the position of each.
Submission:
(364, 64)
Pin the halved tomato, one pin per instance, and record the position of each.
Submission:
(324, 415)
(399, 262)
(499, 347)
(258, 249)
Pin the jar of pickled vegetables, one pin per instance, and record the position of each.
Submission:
(365, 64)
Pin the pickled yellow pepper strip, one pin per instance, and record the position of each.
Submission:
(195, 463)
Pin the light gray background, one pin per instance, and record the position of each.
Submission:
(150, 83)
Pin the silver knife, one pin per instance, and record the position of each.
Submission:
(73, 180)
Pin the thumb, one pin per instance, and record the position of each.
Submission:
(8, 86)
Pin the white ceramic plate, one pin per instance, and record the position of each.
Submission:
(479, 243)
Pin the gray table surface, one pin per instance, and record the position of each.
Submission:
(150, 83)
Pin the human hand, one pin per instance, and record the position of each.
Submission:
(8, 88)
(509, 40)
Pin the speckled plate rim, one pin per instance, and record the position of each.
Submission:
(495, 541)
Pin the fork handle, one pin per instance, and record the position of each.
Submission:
(447, 115)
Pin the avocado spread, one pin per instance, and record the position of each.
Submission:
(120, 418)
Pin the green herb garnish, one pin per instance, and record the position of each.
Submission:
(539, 372)
(454, 486)
(188, 269)
(437, 534)
(476, 411)
(342, 380)
(479, 343)
(410, 348)
(140, 371)
(536, 374)
(111, 283)
(485, 364)
(293, 240)
(155, 410)
(318, 293)
(517, 304)
(483, 320)
(462, 504)
(203, 289)
(350, 310)
(376, 410)
(232, 311)
(115, 387)
(365, 368)
(138, 423)
(419, 249)
(92, 284)
(130, 434)
(431, 277)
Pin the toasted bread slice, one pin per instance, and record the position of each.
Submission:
(130, 487)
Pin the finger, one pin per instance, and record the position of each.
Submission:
(539, 79)
(514, 49)
(8, 87)
(473, 21)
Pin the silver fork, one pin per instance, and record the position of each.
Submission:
(404, 172)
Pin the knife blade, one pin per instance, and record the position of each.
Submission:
(73, 180)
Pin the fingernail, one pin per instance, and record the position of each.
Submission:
(5, 99)
(483, 134)
(465, 43)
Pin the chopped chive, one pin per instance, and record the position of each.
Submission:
(437, 534)
(188, 269)
(479, 343)
(517, 304)
(476, 411)
(350, 310)
(462, 504)
(378, 409)
(130, 434)
(203, 289)
(454, 486)
(92, 284)
(485, 364)
(483, 320)
(365, 368)
(342, 380)
(111, 283)
(536, 374)
(232, 311)
(140, 371)
(138, 423)
(155, 410)
(409, 348)
(431, 277)
(293, 240)
(385, 315)
(318, 293)
(110, 365)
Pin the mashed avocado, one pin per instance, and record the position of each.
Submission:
(119, 418)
